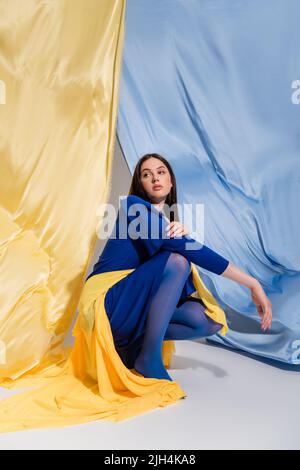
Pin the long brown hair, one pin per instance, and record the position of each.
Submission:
(136, 187)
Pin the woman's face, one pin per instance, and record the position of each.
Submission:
(156, 179)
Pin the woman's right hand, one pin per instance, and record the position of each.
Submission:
(176, 228)
(263, 305)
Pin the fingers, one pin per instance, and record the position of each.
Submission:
(260, 311)
(264, 307)
(265, 323)
(175, 228)
(267, 318)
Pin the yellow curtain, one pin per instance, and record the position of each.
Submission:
(60, 65)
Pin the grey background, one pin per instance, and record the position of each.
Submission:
(121, 179)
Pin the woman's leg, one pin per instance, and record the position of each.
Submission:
(189, 322)
(149, 361)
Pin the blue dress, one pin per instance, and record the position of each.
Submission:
(128, 301)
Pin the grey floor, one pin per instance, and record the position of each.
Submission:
(233, 402)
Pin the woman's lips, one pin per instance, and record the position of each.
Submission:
(157, 188)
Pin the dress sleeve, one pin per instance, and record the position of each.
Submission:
(145, 223)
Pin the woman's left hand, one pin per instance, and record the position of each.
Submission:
(176, 229)
(263, 305)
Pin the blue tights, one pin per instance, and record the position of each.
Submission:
(167, 321)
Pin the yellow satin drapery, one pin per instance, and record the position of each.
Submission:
(94, 383)
(60, 64)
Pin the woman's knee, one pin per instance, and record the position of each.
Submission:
(177, 263)
(209, 329)
(215, 328)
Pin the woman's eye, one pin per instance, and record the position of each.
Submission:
(147, 174)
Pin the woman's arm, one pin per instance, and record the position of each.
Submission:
(263, 304)
(212, 261)
(193, 251)
(148, 225)
(235, 274)
(232, 272)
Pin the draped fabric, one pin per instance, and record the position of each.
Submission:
(60, 63)
(214, 86)
(59, 72)
(93, 383)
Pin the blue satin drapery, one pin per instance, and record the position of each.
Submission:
(213, 85)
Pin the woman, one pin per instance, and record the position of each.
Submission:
(154, 302)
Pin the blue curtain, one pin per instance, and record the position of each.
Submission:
(214, 86)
